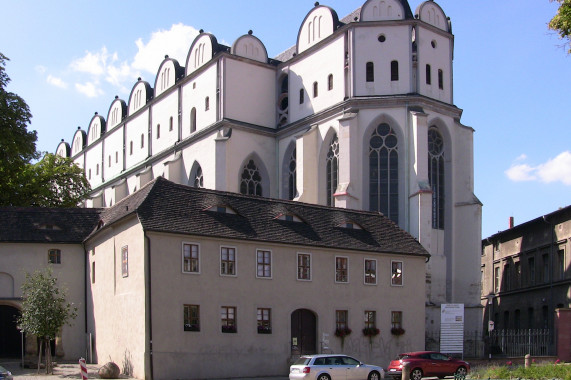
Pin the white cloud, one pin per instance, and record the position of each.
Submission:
(174, 42)
(55, 81)
(92, 63)
(557, 169)
(89, 89)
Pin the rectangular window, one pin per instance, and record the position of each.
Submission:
(396, 273)
(428, 75)
(370, 72)
(54, 256)
(116, 156)
(341, 320)
(370, 272)
(517, 270)
(507, 276)
(396, 320)
(190, 258)
(330, 82)
(228, 261)
(228, 319)
(303, 266)
(531, 271)
(561, 264)
(341, 269)
(264, 321)
(545, 272)
(301, 96)
(93, 272)
(440, 79)
(370, 319)
(264, 264)
(158, 131)
(315, 90)
(496, 279)
(125, 261)
(191, 318)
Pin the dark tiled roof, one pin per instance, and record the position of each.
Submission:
(43, 225)
(168, 207)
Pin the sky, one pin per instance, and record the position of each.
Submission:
(512, 76)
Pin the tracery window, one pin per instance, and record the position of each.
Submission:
(198, 178)
(332, 169)
(383, 172)
(251, 183)
(436, 176)
(292, 181)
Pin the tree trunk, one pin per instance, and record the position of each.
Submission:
(49, 364)
(40, 355)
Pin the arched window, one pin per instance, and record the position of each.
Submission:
(142, 142)
(315, 90)
(330, 82)
(394, 70)
(440, 79)
(207, 103)
(292, 181)
(158, 131)
(198, 179)
(251, 183)
(193, 120)
(383, 172)
(332, 170)
(428, 75)
(130, 147)
(301, 96)
(436, 176)
(370, 72)
(171, 124)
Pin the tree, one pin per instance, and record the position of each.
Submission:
(44, 311)
(53, 182)
(561, 22)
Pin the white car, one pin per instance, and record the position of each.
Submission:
(333, 367)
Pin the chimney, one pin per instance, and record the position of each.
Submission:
(511, 222)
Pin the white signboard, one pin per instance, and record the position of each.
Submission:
(452, 328)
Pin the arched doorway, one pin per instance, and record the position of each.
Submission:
(10, 337)
(303, 332)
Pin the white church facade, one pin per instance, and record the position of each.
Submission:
(359, 114)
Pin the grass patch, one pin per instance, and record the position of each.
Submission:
(543, 371)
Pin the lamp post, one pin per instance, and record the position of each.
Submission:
(490, 298)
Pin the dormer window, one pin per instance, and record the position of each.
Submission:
(289, 218)
(49, 227)
(351, 225)
(221, 209)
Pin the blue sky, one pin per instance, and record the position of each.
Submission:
(68, 59)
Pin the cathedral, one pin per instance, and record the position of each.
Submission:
(359, 114)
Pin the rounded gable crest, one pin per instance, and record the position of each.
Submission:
(249, 46)
(432, 14)
(320, 23)
(63, 149)
(381, 10)
(140, 95)
(169, 73)
(96, 128)
(78, 142)
(203, 48)
(117, 112)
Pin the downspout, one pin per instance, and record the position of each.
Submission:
(550, 325)
(149, 306)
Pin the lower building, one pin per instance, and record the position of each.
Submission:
(183, 282)
(526, 277)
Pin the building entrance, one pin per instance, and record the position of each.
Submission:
(303, 332)
(10, 337)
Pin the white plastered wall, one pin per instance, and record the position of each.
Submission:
(194, 93)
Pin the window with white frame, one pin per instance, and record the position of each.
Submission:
(228, 319)
(304, 266)
(190, 258)
(341, 269)
(263, 264)
(191, 318)
(264, 321)
(228, 261)
(370, 271)
(396, 273)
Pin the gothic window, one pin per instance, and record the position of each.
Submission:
(394, 70)
(198, 179)
(332, 163)
(292, 182)
(370, 72)
(383, 172)
(436, 176)
(251, 182)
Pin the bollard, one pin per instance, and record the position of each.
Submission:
(527, 361)
(405, 371)
(83, 369)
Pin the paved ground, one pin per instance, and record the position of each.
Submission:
(71, 371)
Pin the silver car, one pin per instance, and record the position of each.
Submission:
(5, 374)
(333, 367)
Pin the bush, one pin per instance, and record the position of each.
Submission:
(546, 371)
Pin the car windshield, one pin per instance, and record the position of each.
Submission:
(402, 356)
(302, 361)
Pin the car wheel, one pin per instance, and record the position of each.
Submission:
(374, 376)
(323, 377)
(416, 374)
(461, 371)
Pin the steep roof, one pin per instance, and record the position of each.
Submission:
(163, 206)
(46, 225)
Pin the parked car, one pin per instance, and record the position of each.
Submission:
(427, 364)
(5, 374)
(333, 367)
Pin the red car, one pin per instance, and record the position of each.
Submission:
(427, 364)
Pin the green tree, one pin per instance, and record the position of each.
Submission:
(52, 182)
(44, 311)
(561, 22)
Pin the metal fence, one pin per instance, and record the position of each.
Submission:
(501, 343)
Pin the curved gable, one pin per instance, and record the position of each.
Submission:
(380, 10)
(63, 149)
(78, 142)
(96, 128)
(201, 51)
(140, 95)
(117, 112)
(319, 24)
(169, 72)
(432, 14)
(251, 47)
